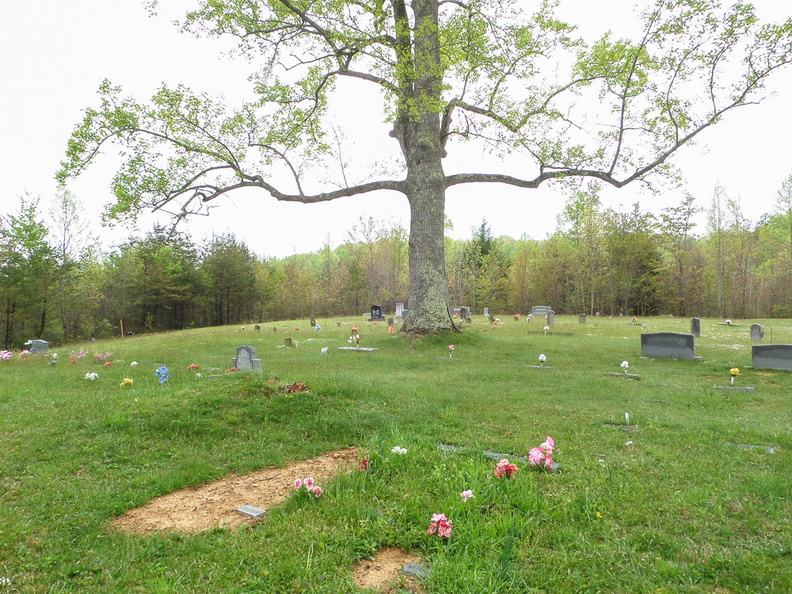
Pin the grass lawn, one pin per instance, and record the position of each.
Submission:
(667, 501)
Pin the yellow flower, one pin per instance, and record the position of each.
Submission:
(127, 382)
(734, 371)
(599, 516)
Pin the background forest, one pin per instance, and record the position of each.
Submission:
(57, 284)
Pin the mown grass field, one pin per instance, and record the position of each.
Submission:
(669, 504)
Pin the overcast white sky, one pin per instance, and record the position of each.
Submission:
(56, 52)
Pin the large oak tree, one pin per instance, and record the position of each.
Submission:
(506, 74)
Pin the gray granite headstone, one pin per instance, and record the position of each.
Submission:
(668, 345)
(756, 333)
(399, 310)
(391, 321)
(695, 326)
(582, 318)
(550, 318)
(772, 356)
(540, 310)
(486, 312)
(38, 346)
(312, 320)
(251, 511)
(246, 360)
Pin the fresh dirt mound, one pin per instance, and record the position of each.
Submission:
(383, 573)
(202, 507)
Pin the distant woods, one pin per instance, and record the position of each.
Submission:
(56, 285)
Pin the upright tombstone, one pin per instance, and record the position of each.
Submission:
(540, 310)
(376, 313)
(695, 326)
(486, 312)
(464, 312)
(246, 360)
(756, 333)
(38, 346)
(550, 318)
(772, 356)
(582, 318)
(313, 320)
(400, 310)
(668, 345)
(391, 322)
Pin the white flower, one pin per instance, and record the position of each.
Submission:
(324, 350)
(91, 376)
(398, 450)
(542, 358)
(199, 375)
(54, 355)
(625, 365)
(133, 364)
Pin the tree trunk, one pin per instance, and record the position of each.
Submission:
(428, 304)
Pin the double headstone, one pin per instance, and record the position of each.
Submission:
(540, 310)
(772, 356)
(668, 345)
(246, 360)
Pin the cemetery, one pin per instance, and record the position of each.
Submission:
(399, 461)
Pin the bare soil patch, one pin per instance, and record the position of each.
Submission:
(210, 505)
(383, 573)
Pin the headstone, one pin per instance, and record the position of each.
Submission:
(582, 318)
(376, 312)
(772, 356)
(550, 317)
(668, 345)
(246, 360)
(391, 321)
(251, 511)
(462, 311)
(313, 320)
(540, 310)
(288, 342)
(756, 333)
(38, 346)
(486, 312)
(695, 326)
(400, 310)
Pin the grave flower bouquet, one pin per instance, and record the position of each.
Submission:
(162, 374)
(625, 365)
(542, 457)
(451, 351)
(5, 355)
(440, 524)
(734, 371)
(309, 485)
(506, 469)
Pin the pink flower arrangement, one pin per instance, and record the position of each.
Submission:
(440, 524)
(309, 485)
(467, 494)
(108, 364)
(542, 456)
(506, 468)
(5, 355)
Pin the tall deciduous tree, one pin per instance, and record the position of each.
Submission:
(449, 71)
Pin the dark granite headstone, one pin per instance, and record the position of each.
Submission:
(376, 313)
(668, 345)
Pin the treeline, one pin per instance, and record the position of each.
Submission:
(56, 285)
